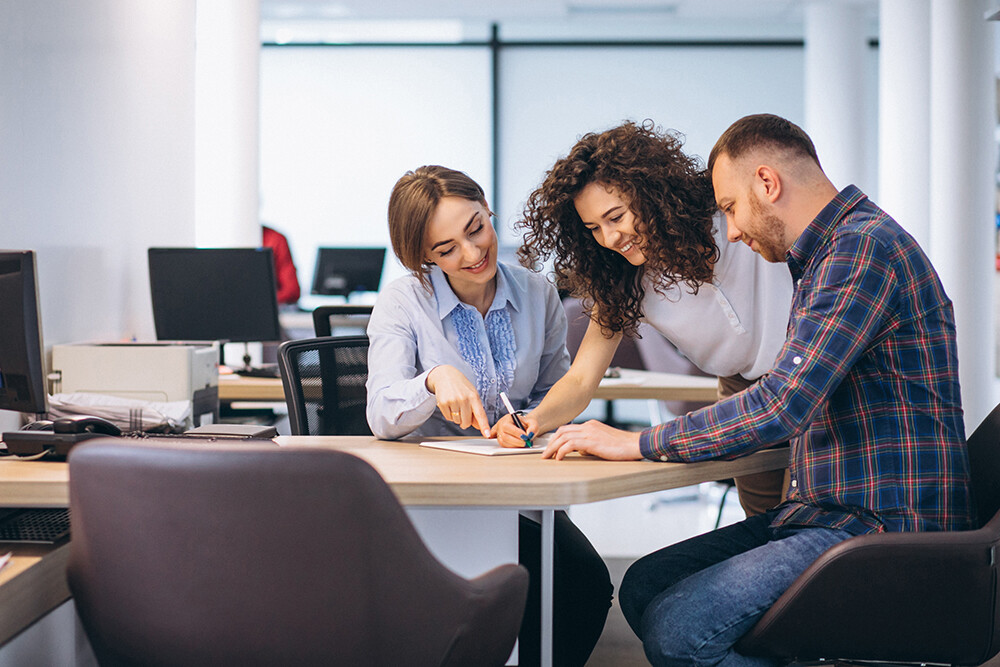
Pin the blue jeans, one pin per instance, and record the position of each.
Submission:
(691, 602)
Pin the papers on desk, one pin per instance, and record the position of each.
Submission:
(486, 447)
(126, 413)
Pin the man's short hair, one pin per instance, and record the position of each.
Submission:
(765, 131)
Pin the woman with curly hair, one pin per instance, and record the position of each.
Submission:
(631, 223)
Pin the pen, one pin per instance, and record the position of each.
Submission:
(515, 414)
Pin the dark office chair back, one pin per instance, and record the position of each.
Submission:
(925, 597)
(324, 381)
(208, 554)
(984, 466)
(322, 316)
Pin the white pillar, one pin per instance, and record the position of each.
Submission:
(227, 75)
(963, 159)
(835, 48)
(904, 114)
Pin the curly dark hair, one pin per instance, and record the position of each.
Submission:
(669, 193)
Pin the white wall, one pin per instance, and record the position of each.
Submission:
(339, 126)
(97, 139)
(96, 153)
(552, 96)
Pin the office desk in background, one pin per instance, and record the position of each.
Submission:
(633, 384)
(464, 506)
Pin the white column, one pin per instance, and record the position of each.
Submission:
(835, 48)
(963, 159)
(227, 75)
(904, 114)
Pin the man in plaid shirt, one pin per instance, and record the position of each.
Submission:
(865, 388)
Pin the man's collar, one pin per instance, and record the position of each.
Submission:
(818, 233)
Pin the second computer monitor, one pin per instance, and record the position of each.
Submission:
(342, 271)
(225, 294)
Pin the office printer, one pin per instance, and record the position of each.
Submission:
(159, 371)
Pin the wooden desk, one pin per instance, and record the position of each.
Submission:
(462, 504)
(31, 585)
(435, 477)
(238, 388)
(632, 384)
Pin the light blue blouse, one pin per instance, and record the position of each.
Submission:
(412, 330)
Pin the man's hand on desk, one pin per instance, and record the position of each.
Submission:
(596, 439)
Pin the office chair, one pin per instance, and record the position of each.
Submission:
(323, 314)
(199, 553)
(324, 382)
(928, 597)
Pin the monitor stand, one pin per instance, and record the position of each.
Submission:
(262, 371)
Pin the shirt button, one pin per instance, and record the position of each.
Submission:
(799, 281)
(663, 457)
(795, 483)
(796, 360)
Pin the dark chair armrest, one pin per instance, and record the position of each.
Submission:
(497, 600)
(898, 596)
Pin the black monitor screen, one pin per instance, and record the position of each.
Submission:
(22, 362)
(342, 271)
(225, 294)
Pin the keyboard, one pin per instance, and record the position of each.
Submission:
(36, 526)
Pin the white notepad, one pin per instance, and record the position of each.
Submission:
(486, 447)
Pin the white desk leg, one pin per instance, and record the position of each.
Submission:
(548, 553)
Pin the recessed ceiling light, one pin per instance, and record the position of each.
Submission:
(632, 8)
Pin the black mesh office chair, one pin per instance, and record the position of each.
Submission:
(197, 553)
(916, 598)
(356, 314)
(324, 381)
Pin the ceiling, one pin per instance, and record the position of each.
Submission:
(515, 10)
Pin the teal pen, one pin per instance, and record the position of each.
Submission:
(516, 415)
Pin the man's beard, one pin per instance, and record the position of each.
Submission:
(768, 231)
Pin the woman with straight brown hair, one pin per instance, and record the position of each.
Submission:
(446, 340)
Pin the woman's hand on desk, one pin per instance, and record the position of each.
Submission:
(509, 435)
(596, 439)
(457, 398)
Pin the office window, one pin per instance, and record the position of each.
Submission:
(550, 96)
(339, 126)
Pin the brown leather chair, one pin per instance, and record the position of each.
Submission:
(196, 553)
(929, 597)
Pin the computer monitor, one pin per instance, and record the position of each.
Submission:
(225, 294)
(342, 271)
(22, 355)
